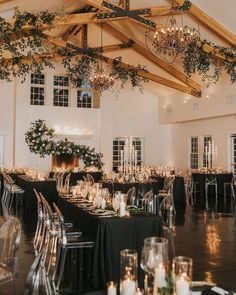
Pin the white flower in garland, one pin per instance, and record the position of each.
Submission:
(42, 143)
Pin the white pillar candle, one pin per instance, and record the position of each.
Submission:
(138, 292)
(159, 278)
(111, 290)
(182, 285)
(128, 287)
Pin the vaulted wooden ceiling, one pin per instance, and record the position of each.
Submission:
(114, 16)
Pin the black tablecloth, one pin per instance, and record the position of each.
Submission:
(46, 187)
(111, 235)
(221, 178)
(75, 176)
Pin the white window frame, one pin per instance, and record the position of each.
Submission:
(59, 87)
(77, 98)
(35, 85)
(192, 153)
(122, 139)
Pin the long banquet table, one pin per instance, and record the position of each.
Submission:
(111, 235)
(46, 187)
(156, 184)
(75, 176)
(221, 178)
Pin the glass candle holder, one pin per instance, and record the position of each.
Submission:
(111, 288)
(182, 275)
(155, 261)
(128, 271)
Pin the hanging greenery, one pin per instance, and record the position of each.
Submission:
(209, 65)
(24, 39)
(41, 140)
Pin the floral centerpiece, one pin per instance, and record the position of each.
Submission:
(41, 140)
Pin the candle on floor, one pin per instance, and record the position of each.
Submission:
(182, 285)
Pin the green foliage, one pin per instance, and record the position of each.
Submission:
(24, 39)
(39, 139)
(206, 64)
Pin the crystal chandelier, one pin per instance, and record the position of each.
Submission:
(101, 80)
(171, 39)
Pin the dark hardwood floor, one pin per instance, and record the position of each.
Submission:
(209, 237)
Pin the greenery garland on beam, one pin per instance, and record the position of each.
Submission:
(40, 140)
(24, 41)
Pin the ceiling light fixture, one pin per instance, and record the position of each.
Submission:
(100, 80)
(169, 40)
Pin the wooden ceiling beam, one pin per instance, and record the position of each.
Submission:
(146, 53)
(210, 23)
(5, 1)
(141, 73)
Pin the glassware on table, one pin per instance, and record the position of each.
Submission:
(182, 275)
(128, 271)
(154, 261)
(111, 288)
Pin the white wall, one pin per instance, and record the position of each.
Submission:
(132, 113)
(217, 100)
(6, 119)
(219, 128)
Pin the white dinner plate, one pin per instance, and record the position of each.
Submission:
(101, 212)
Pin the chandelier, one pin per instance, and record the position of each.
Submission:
(171, 39)
(101, 80)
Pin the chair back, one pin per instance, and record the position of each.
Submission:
(166, 211)
(10, 234)
(131, 194)
(147, 201)
(233, 181)
(33, 277)
(211, 180)
(61, 223)
(67, 180)
(169, 183)
(90, 178)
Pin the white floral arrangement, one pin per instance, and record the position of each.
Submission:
(39, 139)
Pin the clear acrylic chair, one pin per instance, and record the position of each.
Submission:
(211, 182)
(167, 211)
(12, 196)
(229, 188)
(40, 224)
(147, 201)
(10, 234)
(168, 186)
(130, 196)
(90, 179)
(65, 244)
(37, 282)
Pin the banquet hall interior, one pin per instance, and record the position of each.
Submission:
(117, 147)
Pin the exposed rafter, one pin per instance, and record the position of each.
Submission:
(210, 23)
(141, 73)
(141, 49)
